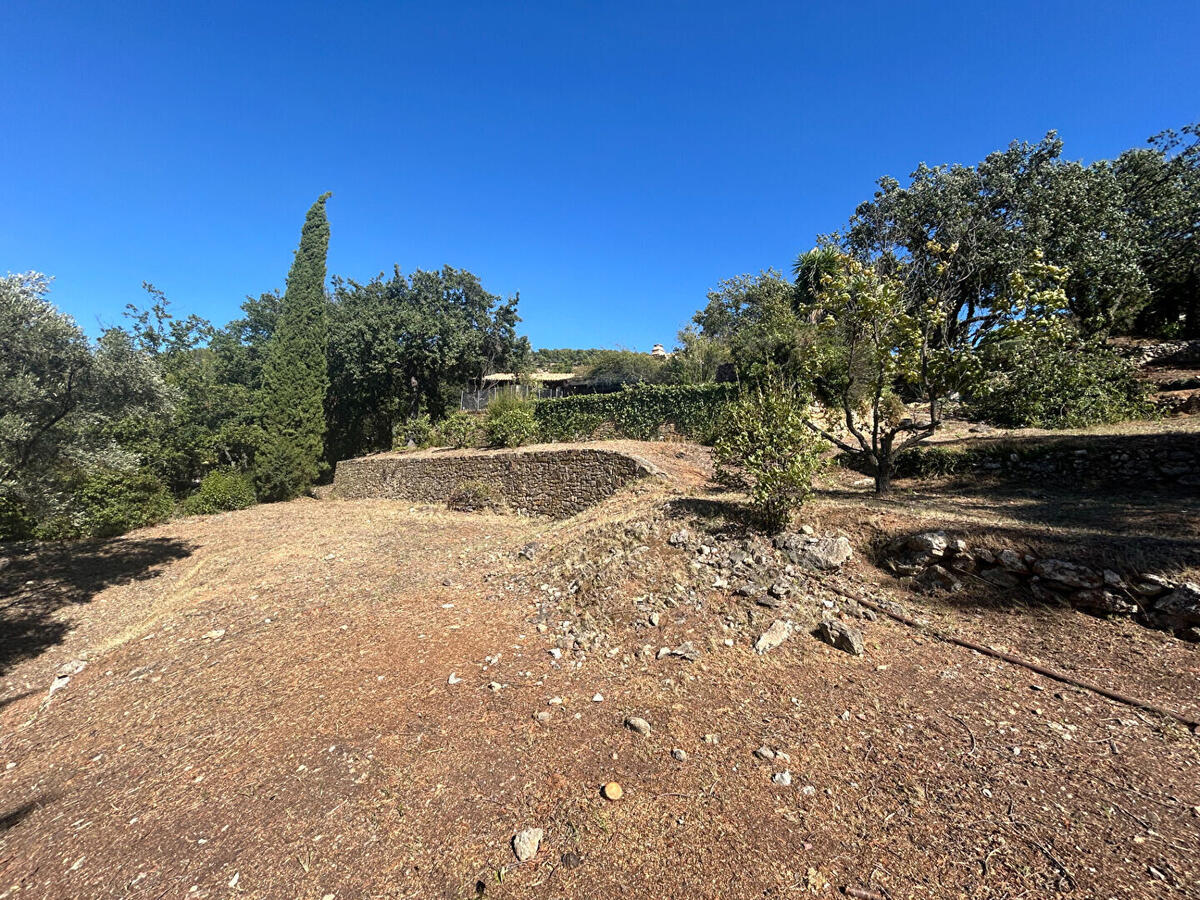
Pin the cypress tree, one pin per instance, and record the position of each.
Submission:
(295, 376)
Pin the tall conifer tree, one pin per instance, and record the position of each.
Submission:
(295, 375)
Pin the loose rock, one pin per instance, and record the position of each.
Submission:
(641, 726)
(779, 632)
(525, 843)
(841, 636)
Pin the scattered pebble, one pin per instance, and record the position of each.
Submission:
(598, 698)
(783, 778)
(764, 752)
(679, 755)
(453, 679)
(612, 791)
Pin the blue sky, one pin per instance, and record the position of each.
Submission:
(610, 161)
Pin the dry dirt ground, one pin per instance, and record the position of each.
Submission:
(297, 701)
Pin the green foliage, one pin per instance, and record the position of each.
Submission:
(106, 503)
(474, 495)
(220, 490)
(637, 411)
(563, 360)
(416, 432)
(509, 421)
(62, 398)
(1053, 380)
(295, 374)
(627, 367)
(406, 344)
(1124, 231)
(15, 522)
(766, 448)
(459, 429)
(755, 316)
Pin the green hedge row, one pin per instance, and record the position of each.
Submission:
(637, 411)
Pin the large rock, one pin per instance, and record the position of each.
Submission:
(936, 579)
(1181, 607)
(841, 636)
(779, 632)
(1067, 574)
(1104, 601)
(818, 554)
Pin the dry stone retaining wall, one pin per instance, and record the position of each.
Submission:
(556, 483)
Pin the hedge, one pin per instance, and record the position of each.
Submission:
(637, 411)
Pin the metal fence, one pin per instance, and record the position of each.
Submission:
(477, 401)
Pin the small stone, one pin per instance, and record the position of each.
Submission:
(571, 860)
(783, 778)
(679, 537)
(543, 717)
(453, 679)
(641, 726)
(773, 636)
(530, 551)
(764, 752)
(808, 790)
(541, 627)
(711, 739)
(655, 618)
(612, 791)
(555, 653)
(525, 843)
(215, 634)
(494, 687)
(597, 698)
(679, 755)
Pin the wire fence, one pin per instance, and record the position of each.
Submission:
(477, 401)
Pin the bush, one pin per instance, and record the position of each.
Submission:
(459, 429)
(220, 490)
(510, 422)
(765, 448)
(108, 503)
(637, 411)
(15, 523)
(1047, 381)
(417, 432)
(474, 495)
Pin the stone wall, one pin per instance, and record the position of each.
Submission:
(1169, 459)
(936, 563)
(556, 483)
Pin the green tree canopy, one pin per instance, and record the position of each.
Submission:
(295, 374)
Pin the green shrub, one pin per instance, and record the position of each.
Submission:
(474, 495)
(1047, 381)
(765, 448)
(416, 432)
(510, 421)
(220, 490)
(637, 411)
(459, 429)
(15, 522)
(108, 503)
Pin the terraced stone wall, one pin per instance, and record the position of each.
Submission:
(555, 483)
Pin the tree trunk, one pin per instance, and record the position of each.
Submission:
(883, 478)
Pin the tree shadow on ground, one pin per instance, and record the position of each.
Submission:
(42, 579)
(14, 817)
(730, 518)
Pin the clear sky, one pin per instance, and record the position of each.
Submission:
(610, 161)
